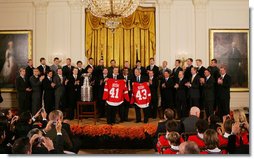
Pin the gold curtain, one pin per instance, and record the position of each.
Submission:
(135, 34)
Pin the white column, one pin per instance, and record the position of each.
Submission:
(201, 31)
(40, 46)
(163, 14)
(76, 32)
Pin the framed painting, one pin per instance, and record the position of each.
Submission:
(15, 50)
(231, 49)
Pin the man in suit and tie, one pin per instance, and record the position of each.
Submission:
(55, 65)
(153, 85)
(101, 103)
(193, 85)
(200, 71)
(29, 70)
(36, 83)
(181, 95)
(163, 69)
(49, 92)
(124, 109)
(80, 68)
(208, 92)
(23, 91)
(43, 68)
(187, 72)
(89, 65)
(166, 88)
(224, 84)
(176, 70)
(127, 65)
(153, 67)
(140, 79)
(59, 80)
(73, 85)
(138, 66)
(68, 68)
(112, 66)
(115, 74)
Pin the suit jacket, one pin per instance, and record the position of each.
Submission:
(181, 91)
(155, 70)
(187, 72)
(72, 89)
(42, 70)
(110, 70)
(188, 123)
(162, 72)
(128, 84)
(142, 79)
(48, 89)
(21, 85)
(208, 89)
(57, 81)
(175, 73)
(201, 71)
(117, 77)
(154, 88)
(86, 68)
(143, 71)
(194, 91)
(81, 71)
(35, 84)
(29, 73)
(67, 71)
(224, 89)
(215, 72)
(167, 93)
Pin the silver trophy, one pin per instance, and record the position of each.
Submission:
(86, 89)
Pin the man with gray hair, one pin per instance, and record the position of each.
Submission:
(188, 123)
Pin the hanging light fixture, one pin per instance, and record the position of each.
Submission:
(112, 10)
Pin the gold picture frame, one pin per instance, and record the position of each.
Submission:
(231, 49)
(15, 50)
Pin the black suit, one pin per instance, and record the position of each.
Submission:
(194, 91)
(117, 76)
(101, 102)
(167, 93)
(86, 68)
(138, 109)
(23, 95)
(188, 124)
(155, 70)
(110, 70)
(73, 92)
(208, 95)
(181, 98)
(201, 71)
(154, 96)
(36, 93)
(60, 97)
(67, 71)
(187, 72)
(29, 73)
(176, 72)
(215, 72)
(81, 71)
(49, 94)
(224, 96)
(143, 71)
(42, 70)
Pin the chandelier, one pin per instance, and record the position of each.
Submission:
(112, 10)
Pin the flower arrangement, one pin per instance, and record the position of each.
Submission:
(124, 132)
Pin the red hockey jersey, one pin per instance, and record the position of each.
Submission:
(195, 138)
(115, 91)
(141, 94)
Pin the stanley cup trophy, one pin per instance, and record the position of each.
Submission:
(86, 89)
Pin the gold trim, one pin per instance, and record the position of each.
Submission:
(30, 50)
(211, 51)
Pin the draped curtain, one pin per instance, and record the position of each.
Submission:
(133, 39)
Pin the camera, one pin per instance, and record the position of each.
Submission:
(241, 125)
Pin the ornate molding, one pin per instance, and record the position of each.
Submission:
(40, 3)
(75, 4)
(164, 3)
(200, 4)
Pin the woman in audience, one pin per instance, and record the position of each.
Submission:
(174, 140)
(202, 126)
(212, 143)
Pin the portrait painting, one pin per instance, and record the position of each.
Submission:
(15, 50)
(231, 49)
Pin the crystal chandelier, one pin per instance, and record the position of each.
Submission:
(112, 10)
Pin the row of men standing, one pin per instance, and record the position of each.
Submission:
(179, 89)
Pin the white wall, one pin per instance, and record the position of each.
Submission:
(181, 26)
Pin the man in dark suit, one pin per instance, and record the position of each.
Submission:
(208, 92)
(163, 69)
(200, 72)
(153, 67)
(23, 91)
(140, 79)
(166, 88)
(176, 70)
(127, 65)
(49, 92)
(112, 66)
(98, 69)
(101, 103)
(43, 68)
(68, 68)
(193, 85)
(36, 83)
(143, 70)
(187, 72)
(124, 109)
(153, 85)
(59, 80)
(188, 124)
(55, 65)
(73, 84)
(115, 74)
(29, 70)
(181, 95)
(89, 65)
(224, 84)
(80, 68)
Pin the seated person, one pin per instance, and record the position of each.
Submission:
(227, 127)
(174, 140)
(188, 123)
(202, 126)
(188, 147)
